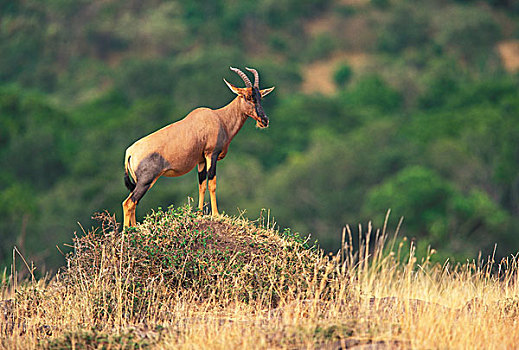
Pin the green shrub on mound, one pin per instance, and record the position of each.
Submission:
(177, 253)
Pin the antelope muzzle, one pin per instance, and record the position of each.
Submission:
(262, 121)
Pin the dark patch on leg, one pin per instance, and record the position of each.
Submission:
(151, 166)
(202, 175)
(140, 191)
(212, 170)
(148, 170)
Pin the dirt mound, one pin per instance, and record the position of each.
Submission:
(176, 251)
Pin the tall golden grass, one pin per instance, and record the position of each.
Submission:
(272, 291)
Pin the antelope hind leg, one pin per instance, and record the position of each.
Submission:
(128, 211)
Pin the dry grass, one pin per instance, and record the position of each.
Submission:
(187, 282)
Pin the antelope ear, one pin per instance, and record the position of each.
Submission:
(265, 92)
(233, 88)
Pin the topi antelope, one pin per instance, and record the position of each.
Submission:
(200, 139)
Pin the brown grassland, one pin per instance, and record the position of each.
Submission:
(184, 281)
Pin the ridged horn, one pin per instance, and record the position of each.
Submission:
(243, 76)
(256, 76)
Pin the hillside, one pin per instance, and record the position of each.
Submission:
(390, 104)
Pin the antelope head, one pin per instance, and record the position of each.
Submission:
(251, 96)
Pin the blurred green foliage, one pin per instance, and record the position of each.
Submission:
(469, 32)
(428, 129)
(343, 75)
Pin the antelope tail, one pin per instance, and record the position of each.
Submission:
(128, 181)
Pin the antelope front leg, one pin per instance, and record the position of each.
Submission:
(211, 181)
(202, 185)
(212, 193)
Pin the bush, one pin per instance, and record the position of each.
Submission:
(343, 75)
(436, 210)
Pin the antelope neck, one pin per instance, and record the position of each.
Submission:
(232, 117)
